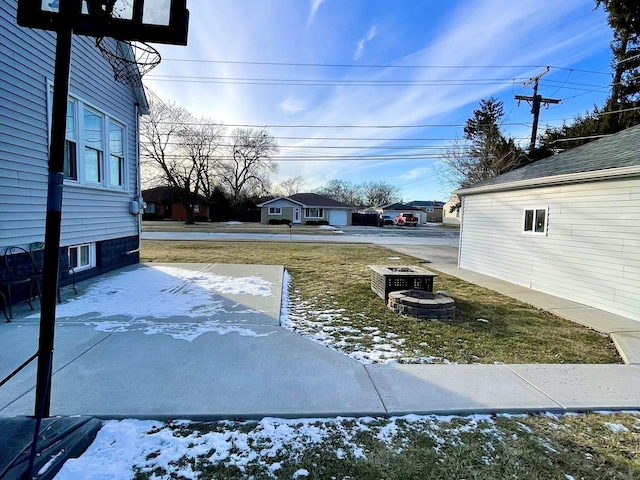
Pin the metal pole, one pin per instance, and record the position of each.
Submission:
(54, 208)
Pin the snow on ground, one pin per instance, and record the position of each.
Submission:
(330, 327)
(178, 331)
(326, 227)
(233, 223)
(123, 448)
(156, 300)
(162, 292)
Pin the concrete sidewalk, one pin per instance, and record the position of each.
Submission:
(244, 365)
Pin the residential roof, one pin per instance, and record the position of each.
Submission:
(160, 194)
(425, 203)
(315, 200)
(587, 162)
(398, 206)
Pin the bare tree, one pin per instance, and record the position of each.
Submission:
(177, 154)
(378, 193)
(248, 166)
(341, 191)
(290, 186)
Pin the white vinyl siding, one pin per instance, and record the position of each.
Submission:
(591, 253)
(88, 214)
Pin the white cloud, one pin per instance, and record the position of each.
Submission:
(315, 4)
(415, 173)
(373, 31)
(292, 105)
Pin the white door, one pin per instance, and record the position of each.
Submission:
(296, 215)
(338, 218)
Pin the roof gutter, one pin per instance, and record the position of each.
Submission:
(597, 175)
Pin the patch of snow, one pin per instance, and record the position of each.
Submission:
(177, 331)
(568, 477)
(338, 232)
(326, 227)
(233, 223)
(483, 320)
(616, 427)
(394, 258)
(162, 292)
(303, 472)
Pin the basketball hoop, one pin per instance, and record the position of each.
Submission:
(129, 60)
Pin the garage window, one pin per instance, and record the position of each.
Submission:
(535, 221)
(275, 210)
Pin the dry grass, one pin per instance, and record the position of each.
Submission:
(589, 446)
(336, 276)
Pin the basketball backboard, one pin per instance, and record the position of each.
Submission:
(153, 21)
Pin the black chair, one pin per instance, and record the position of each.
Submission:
(65, 269)
(19, 271)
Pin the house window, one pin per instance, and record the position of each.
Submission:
(535, 221)
(275, 210)
(196, 208)
(70, 145)
(150, 208)
(314, 213)
(93, 153)
(429, 209)
(116, 154)
(82, 257)
(95, 147)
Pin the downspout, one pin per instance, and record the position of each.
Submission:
(461, 227)
(138, 191)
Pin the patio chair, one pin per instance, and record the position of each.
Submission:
(65, 270)
(19, 271)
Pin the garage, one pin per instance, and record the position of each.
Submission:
(338, 218)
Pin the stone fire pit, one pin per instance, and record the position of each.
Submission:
(421, 304)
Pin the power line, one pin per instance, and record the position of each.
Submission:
(353, 65)
(426, 125)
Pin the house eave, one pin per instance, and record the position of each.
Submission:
(597, 175)
(264, 204)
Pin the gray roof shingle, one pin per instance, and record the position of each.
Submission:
(615, 151)
(315, 200)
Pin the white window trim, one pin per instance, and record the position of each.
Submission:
(80, 105)
(314, 208)
(546, 220)
(275, 210)
(92, 256)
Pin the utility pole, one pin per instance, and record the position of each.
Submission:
(535, 101)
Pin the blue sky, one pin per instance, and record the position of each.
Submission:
(359, 70)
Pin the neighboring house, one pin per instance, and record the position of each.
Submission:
(451, 211)
(431, 208)
(568, 225)
(100, 224)
(395, 209)
(304, 208)
(163, 203)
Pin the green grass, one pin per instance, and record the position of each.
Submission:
(587, 446)
(335, 277)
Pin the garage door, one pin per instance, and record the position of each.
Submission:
(338, 218)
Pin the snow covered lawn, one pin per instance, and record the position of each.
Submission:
(480, 446)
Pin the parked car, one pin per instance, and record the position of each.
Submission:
(407, 219)
(386, 220)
